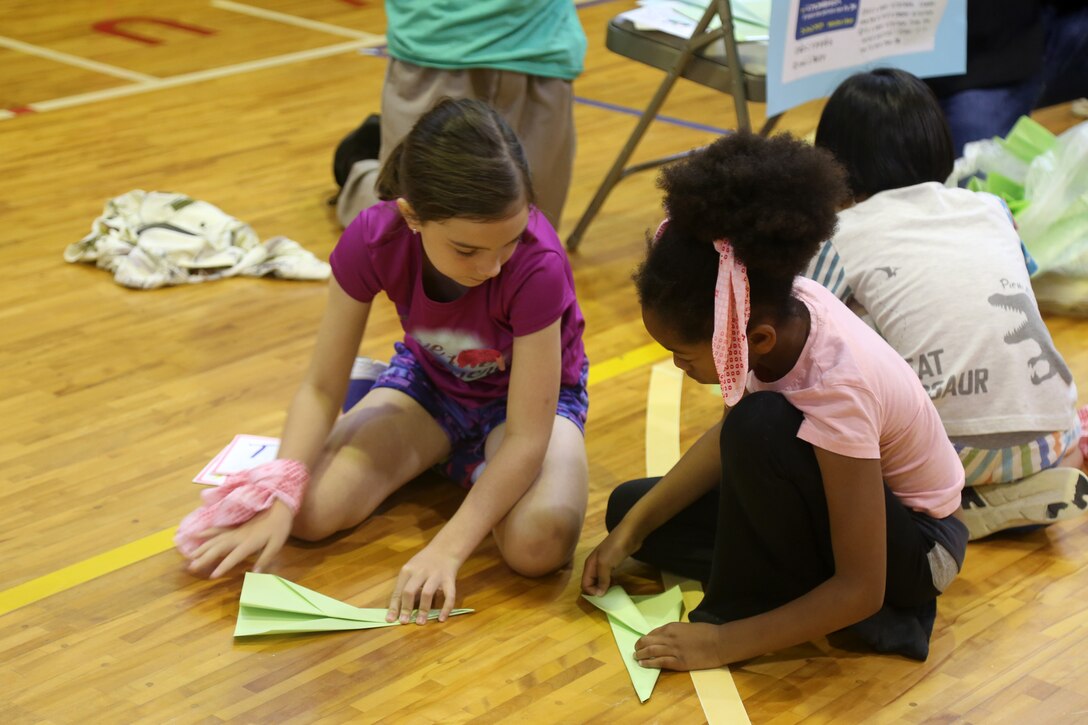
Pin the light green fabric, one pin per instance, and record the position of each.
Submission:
(535, 37)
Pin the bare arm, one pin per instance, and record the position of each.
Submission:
(309, 420)
(317, 403)
(695, 474)
(534, 392)
(855, 503)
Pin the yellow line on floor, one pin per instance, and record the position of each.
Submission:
(114, 559)
(633, 360)
(86, 570)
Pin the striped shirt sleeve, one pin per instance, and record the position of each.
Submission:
(826, 267)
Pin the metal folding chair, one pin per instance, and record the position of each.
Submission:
(711, 58)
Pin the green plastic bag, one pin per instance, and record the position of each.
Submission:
(1044, 180)
(1054, 225)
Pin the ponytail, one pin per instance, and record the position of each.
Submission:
(773, 200)
(388, 186)
(461, 159)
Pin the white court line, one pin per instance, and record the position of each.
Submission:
(663, 418)
(715, 688)
(291, 19)
(196, 77)
(86, 64)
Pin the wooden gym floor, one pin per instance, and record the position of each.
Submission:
(112, 399)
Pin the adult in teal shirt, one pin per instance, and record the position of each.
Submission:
(520, 56)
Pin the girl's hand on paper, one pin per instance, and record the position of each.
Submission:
(224, 549)
(602, 561)
(682, 646)
(427, 573)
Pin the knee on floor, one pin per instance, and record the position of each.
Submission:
(543, 543)
(312, 528)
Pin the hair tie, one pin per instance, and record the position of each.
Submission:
(732, 310)
(660, 230)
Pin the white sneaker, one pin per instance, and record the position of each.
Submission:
(1055, 494)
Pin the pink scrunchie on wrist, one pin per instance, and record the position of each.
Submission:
(241, 497)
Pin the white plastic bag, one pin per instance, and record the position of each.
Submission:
(1054, 226)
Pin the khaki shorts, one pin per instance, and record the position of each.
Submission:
(539, 110)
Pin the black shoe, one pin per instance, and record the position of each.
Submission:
(362, 143)
(899, 630)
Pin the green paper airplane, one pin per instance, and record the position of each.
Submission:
(632, 617)
(273, 605)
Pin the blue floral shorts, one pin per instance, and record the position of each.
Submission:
(468, 428)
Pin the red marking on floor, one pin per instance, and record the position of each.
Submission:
(109, 27)
(22, 110)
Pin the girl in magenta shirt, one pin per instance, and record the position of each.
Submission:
(489, 382)
(826, 496)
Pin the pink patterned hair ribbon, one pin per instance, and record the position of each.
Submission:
(660, 229)
(732, 309)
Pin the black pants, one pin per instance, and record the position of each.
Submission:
(763, 537)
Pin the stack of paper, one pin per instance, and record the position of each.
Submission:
(632, 617)
(751, 18)
(272, 605)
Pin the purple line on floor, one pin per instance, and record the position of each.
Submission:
(591, 3)
(663, 119)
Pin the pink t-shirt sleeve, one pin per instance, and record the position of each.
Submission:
(845, 420)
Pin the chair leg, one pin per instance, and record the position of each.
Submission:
(736, 68)
(769, 125)
(617, 170)
(699, 38)
(654, 163)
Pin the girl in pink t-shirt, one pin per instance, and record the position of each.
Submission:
(489, 381)
(826, 496)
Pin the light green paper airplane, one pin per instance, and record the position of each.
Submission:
(273, 605)
(632, 617)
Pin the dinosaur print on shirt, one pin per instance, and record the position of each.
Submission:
(1048, 362)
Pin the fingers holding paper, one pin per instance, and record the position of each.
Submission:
(681, 646)
(596, 576)
(603, 560)
(418, 584)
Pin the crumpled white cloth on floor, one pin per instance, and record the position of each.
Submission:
(157, 239)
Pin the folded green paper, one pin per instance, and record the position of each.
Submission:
(272, 605)
(632, 617)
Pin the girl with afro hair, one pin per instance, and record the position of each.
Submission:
(826, 498)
